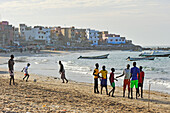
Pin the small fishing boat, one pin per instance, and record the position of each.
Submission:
(141, 58)
(155, 54)
(94, 57)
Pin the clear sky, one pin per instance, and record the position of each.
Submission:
(146, 22)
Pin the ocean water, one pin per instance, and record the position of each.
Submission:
(157, 72)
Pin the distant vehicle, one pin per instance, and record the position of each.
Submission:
(156, 54)
(94, 57)
(141, 58)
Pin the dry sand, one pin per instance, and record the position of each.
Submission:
(48, 94)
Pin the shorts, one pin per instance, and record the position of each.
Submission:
(63, 75)
(134, 83)
(126, 82)
(113, 84)
(140, 84)
(11, 73)
(104, 82)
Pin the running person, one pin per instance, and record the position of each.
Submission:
(126, 72)
(11, 69)
(134, 79)
(62, 72)
(112, 83)
(96, 76)
(140, 81)
(104, 79)
(25, 69)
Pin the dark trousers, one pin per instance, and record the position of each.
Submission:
(12, 79)
(27, 75)
(140, 85)
(96, 85)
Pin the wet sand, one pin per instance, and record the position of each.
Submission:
(48, 94)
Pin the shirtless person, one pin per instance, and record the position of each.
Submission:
(11, 69)
(126, 73)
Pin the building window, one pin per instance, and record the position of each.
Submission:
(116, 40)
(119, 39)
(111, 40)
(123, 40)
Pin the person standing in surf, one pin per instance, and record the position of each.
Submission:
(62, 72)
(11, 69)
(96, 76)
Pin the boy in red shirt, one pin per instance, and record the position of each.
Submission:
(112, 83)
(140, 81)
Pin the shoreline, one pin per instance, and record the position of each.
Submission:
(49, 94)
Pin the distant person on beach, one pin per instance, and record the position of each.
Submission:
(25, 69)
(134, 79)
(140, 81)
(126, 73)
(96, 76)
(62, 72)
(112, 83)
(104, 79)
(11, 69)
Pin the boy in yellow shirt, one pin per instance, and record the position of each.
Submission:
(96, 76)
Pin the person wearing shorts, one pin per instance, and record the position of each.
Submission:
(126, 73)
(112, 83)
(25, 69)
(140, 81)
(134, 79)
(104, 79)
(11, 69)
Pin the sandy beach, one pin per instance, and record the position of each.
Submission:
(48, 94)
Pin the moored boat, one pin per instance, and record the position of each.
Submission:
(141, 58)
(156, 54)
(94, 57)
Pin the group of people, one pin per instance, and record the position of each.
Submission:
(132, 77)
(25, 70)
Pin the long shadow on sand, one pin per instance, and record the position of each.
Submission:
(156, 101)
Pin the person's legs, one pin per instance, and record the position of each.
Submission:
(106, 90)
(10, 79)
(13, 80)
(136, 86)
(131, 86)
(110, 92)
(27, 77)
(142, 91)
(113, 91)
(124, 87)
(101, 89)
(128, 88)
(95, 86)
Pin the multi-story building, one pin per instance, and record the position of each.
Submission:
(93, 36)
(80, 34)
(6, 33)
(68, 33)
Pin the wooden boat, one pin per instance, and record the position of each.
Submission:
(141, 58)
(155, 54)
(94, 57)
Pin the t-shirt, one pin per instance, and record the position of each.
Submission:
(134, 72)
(104, 74)
(140, 80)
(126, 73)
(111, 77)
(26, 70)
(96, 73)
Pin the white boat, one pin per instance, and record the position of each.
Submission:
(140, 58)
(156, 54)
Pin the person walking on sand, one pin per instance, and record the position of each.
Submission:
(62, 72)
(104, 79)
(96, 76)
(25, 69)
(126, 73)
(11, 69)
(140, 81)
(134, 79)
(112, 83)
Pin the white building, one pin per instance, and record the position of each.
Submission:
(114, 39)
(93, 36)
(38, 34)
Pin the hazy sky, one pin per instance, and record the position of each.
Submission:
(146, 22)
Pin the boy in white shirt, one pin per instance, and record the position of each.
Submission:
(25, 69)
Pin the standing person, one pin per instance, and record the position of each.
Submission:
(104, 79)
(11, 69)
(140, 81)
(25, 69)
(134, 79)
(96, 76)
(126, 73)
(112, 83)
(62, 72)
